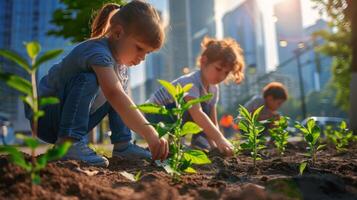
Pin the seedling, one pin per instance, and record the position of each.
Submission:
(311, 135)
(341, 138)
(18, 158)
(279, 134)
(180, 160)
(29, 96)
(252, 130)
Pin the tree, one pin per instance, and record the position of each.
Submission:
(73, 20)
(341, 44)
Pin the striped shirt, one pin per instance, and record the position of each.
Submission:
(162, 97)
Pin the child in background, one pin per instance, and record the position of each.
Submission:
(219, 60)
(274, 95)
(91, 82)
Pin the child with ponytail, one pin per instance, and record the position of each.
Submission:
(92, 80)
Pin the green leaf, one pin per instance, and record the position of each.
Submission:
(245, 146)
(243, 126)
(343, 125)
(33, 48)
(35, 178)
(58, 151)
(187, 87)
(46, 57)
(27, 99)
(320, 147)
(48, 100)
(190, 170)
(39, 114)
(18, 83)
(162, 128)
(41, 162)
(16, 157)
(198, 100)
(310, 124)
(16, 58)
(309, 138)
(151, 108)
(257, 113)
(190, 128)
(31, 142)
(171, 89)
(137, 176)
(244, 112)
(196, 157)
(302, 168)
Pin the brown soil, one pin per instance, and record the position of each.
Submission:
(334, 176)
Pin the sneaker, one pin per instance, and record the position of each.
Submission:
(200, 143)
(133, 151)
(80, 151)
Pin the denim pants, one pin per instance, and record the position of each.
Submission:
(72, 118)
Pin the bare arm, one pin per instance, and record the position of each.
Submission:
(209, 128)
(121, 103)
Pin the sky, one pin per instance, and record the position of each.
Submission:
(309, 15)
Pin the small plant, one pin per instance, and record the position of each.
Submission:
(341, 138)
(40, 163)
(279, 134)
(311, 135)
(302, 167)
(29, 91)
(180, 160)
(252, 129)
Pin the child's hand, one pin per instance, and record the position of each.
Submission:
(225, 147)
(159, 147)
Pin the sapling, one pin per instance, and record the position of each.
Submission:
(280, 134)
(29, 96)
(180, 159)
(341, 138)
(311, 135)
(252, 130)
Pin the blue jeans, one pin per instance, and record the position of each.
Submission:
(72, 118)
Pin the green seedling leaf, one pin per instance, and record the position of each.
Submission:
(196, 157)
(257, 113)
(137, 176)
(16, 157)
(35, 178)
(31, 142)
(33, 48)
(187, 87)
(16, 58)
(46, 57)
(201, 99)
(48, 100)
(171, 89)
(151, 108)
(190, 170)
(58, 151)
(190, 128)
(302, 167)
(321, 147)
(16, 82)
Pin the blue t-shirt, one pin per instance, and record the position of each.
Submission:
(80, 60)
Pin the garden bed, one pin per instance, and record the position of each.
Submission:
(334, 176)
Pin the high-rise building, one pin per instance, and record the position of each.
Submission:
(23, 21)
(245, 24)
(190, 21)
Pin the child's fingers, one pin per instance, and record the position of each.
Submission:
(155, 152)
(163, 149)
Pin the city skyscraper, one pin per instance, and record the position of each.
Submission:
(245, 25)
(23, 21)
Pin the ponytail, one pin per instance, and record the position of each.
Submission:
(101, 21)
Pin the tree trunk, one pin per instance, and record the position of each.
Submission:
(353, 84)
